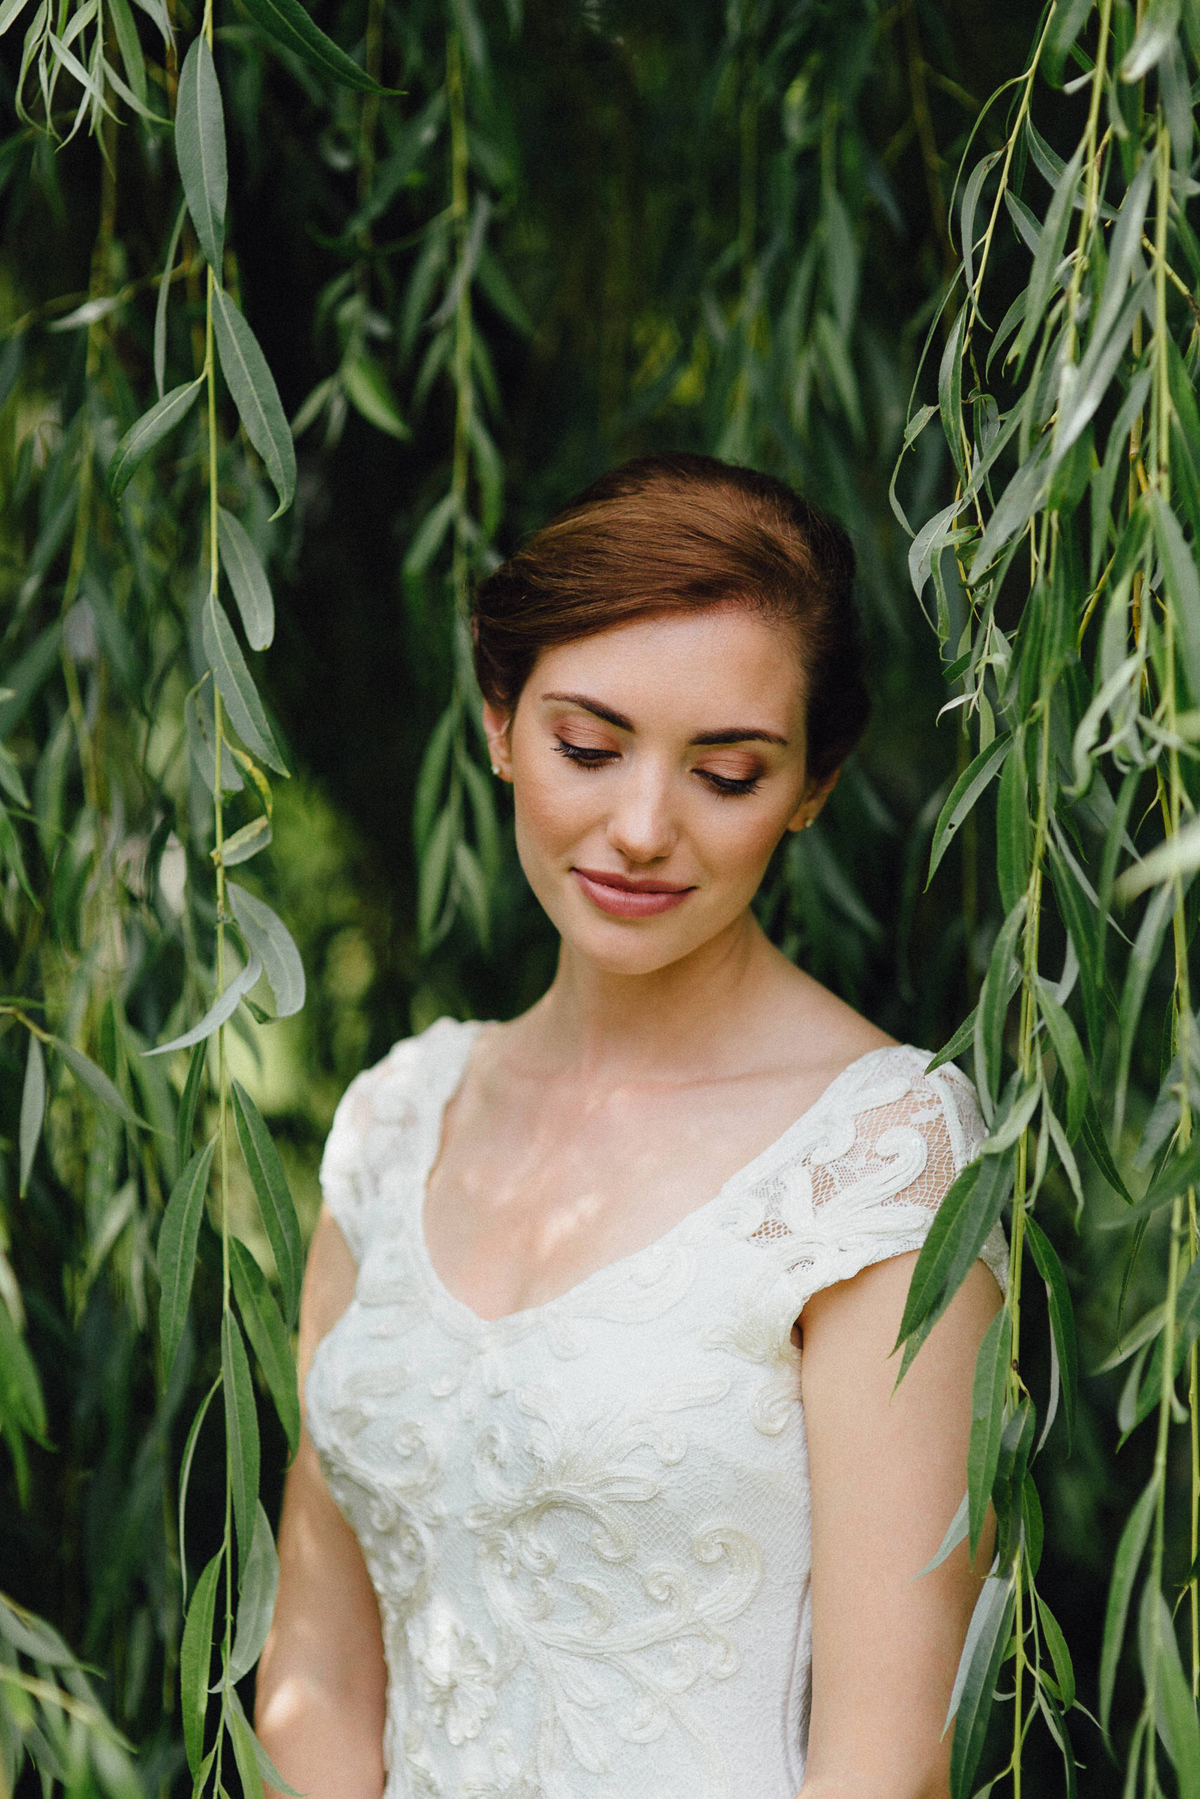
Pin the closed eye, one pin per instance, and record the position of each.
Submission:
(727, 784)
(583, 755)
(591, 757)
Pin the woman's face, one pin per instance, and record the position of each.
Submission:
(655, 766)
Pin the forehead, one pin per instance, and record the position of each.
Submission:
(694, 666)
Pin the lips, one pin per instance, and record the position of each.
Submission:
(621, 897)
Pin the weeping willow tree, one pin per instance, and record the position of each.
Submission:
(480, 256)
(1067, 604)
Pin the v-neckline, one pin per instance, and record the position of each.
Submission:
(452, 1075)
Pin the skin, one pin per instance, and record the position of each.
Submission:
(669, 1051)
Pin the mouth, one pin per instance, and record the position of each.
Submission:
(621, 897)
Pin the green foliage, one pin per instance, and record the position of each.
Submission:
(478, 257)
(1090, 682)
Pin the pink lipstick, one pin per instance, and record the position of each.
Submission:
(621, 897)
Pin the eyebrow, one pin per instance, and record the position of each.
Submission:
(705, 739)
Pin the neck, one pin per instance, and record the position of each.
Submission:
(662, 1022)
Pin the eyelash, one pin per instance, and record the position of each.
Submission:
(725, 785)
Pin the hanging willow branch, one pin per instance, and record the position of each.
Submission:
(97, 978)
(1068, 609)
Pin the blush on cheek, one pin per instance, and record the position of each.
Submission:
(742, 854)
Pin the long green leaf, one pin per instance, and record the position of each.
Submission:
(195, 1655)
(1156, 34)
(245, 842)
(1120, 1591)
(148, 431)
(289, 24)
(1008, 1488)
(1092, 1132)
(252, 1758)
(1062, 1319)
(200, 149)
(222, 1009)
(1183, 588)
(185, 1475)
(97, 1082)
(241, 1430)
(243, 1754)
(950, 388)
(964, 796)
(1187, 1329)
(959, 1230)
(957, 1045)
(1083, 389)
(367, 389)
(11, 853)
(256, 1606)
(160, 305)
(256, 397)
(1014, 833)
(236, 686)
(1071, 1060)
(33, 1109)
(1065, 27)
(248, 579)
(1049, 251)
(1079, 918)
(975, 1687)
(956, 1532)
(269, 939)
(1142, 959)
(987, 1418)
(21, 1401)
(1060, 1654)
(186, 1121)
(1175, 1709)
(268, 1336)
(274, 1198)
(994, 1002)
(178, 1236)
(1178, 855)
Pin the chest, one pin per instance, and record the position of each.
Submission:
(536, 1188)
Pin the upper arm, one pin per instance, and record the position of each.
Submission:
(326, 1645)
(888, 1471)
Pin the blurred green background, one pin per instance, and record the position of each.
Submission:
(707, 226)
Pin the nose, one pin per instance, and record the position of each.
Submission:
(641, 825)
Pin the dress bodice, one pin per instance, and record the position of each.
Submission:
(588, 1523)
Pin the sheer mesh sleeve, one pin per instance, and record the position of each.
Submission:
(868, 1188)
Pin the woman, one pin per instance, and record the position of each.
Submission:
(606, 1492)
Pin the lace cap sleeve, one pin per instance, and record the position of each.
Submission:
(342, 1183)
(890, 1145)
(376, 1137)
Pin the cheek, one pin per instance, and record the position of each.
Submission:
(550, 808)
(739, 847)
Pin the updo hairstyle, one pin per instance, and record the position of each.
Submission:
(677, 533)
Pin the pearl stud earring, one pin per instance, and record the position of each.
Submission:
(495, 768)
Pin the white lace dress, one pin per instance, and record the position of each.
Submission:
(588, 1523)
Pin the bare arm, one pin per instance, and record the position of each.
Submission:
(321, 1681)
(888, 1473)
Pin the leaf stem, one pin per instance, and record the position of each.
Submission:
(1027, 81)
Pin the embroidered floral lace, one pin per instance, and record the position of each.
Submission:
(588, 1523)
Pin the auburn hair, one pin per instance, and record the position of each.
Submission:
(675, 533)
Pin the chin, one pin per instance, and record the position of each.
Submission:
(627, 946)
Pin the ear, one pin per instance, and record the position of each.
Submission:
(497, 726)
(814, 798)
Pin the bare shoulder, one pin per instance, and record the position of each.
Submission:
(813, 1030)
